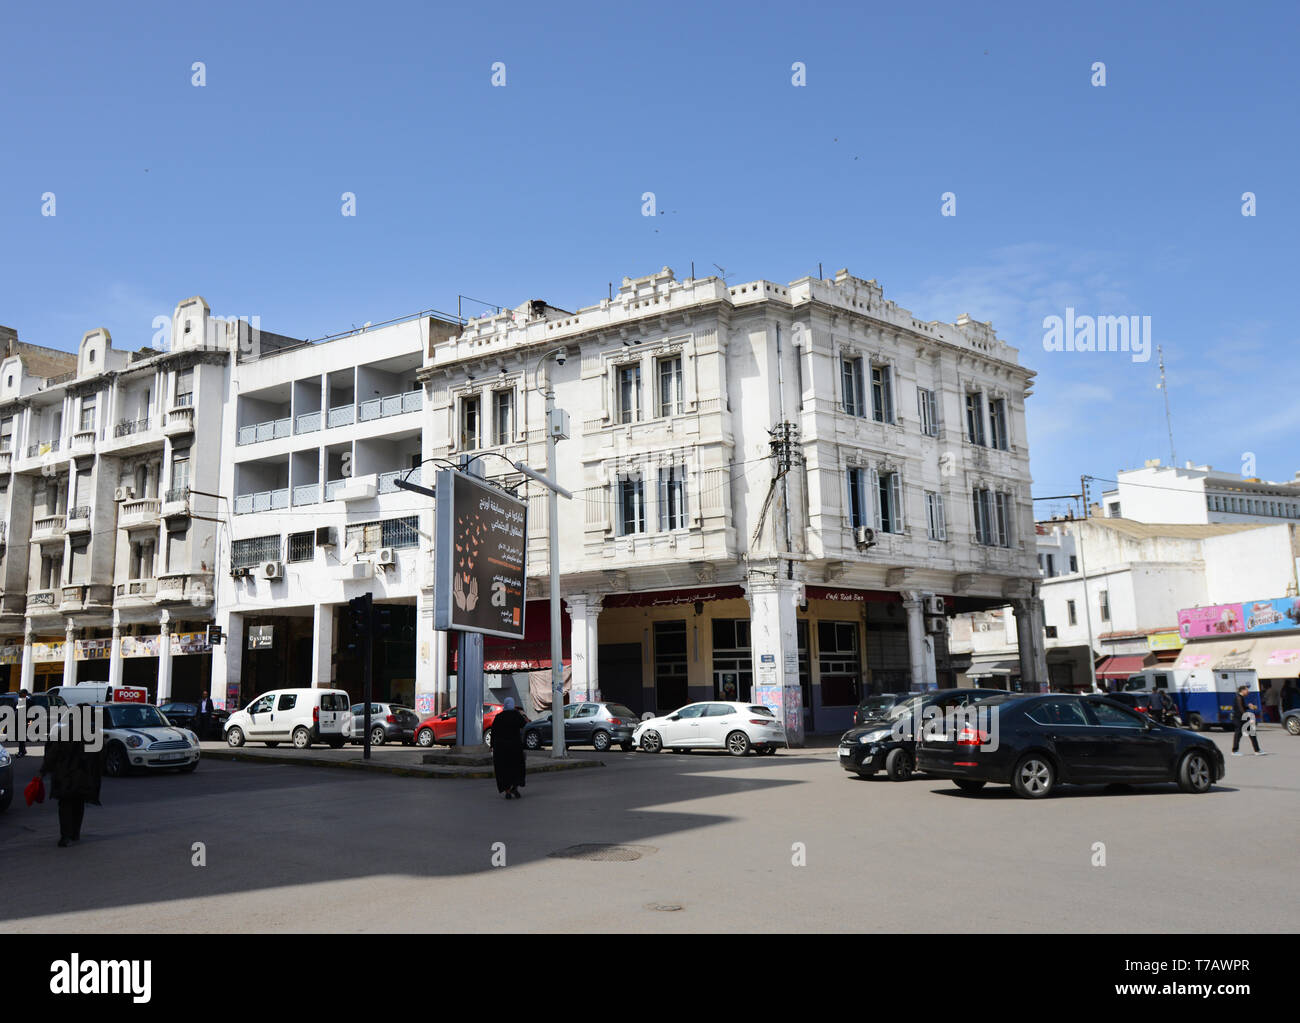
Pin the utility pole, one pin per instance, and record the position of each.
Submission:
(1083, 571)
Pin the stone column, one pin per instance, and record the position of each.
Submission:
(1030, 642)
(584, 610)
(227, 661)
(322, 647)
(164, 658)
(430, 675)
(69, 654)
(115, 653)
(774, 642)
(27, 674)
(920, 647)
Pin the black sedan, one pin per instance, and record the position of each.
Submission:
(888, 742)
(186, 715)
(1034, 743)
(876, 707)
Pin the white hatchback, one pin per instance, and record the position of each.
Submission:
(139, 736)
(300, 716)
(735, 727)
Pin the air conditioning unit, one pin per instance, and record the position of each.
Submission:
(325, 536)
(935, 624)
(864, 537)
(124, 493)
(272, 570)
(934, 605)
(242, 572)
(386, 556)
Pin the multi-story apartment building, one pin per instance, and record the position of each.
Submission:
(1198, 494)
(694, 567)
(315, 437)
(107, 566)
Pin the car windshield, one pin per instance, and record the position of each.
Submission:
(761, 711)
(874, 705)
(908, 706)
(134, 716)
(619, 711)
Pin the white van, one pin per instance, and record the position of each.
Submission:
(1204, 697)
(100, 692)
(300, 716)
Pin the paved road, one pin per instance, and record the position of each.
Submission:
(294, 848)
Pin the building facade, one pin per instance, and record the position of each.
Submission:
(780, 486)
(1197, 494)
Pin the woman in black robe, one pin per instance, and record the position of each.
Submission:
(508, 749)
(75, 774)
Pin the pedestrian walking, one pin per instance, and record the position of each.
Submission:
(508, 749)
(21, 708)
(1243, 719)
(204, 716)
(75, 773)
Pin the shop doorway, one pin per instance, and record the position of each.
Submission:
(619, 667)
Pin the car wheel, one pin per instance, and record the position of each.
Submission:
(424, 737)
(769, 751)
(652, 742)
(377, 736)
(532, 740)
(272, 745)
(116, 763)
(235, 736)
(1293, 724)
(626, 747)
(898, 765)
(1195, 722)
(1195, 773)
(969, 784)
(601, 741)
(190, 768)
(737, 743)
(337, 743)
(1034, 777)
(301, 738)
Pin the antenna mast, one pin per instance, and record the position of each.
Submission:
(1169, 423)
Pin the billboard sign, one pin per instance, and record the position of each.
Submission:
(480, 557)
(1214, 620)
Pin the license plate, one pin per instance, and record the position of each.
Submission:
(174, 756)
(846, 751)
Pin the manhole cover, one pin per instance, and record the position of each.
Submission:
(663, 907)
(603, 852)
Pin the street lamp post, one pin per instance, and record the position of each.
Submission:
(554, 426)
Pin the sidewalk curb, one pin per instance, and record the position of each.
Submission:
(409, 771)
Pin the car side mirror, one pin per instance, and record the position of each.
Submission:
(675, 717)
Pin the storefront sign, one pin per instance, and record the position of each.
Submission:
(46, 652)
(94, 649)
(260, 637)
(190, 643)
(1271, 615)
(671, 598)
(11, 655)
(1284, 657)
(1164, 641)
(875, 596)
(1214, 620)
(140, 646)
(480, 557)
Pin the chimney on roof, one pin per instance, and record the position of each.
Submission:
(8, 338)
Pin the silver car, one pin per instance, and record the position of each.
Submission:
(389, 722)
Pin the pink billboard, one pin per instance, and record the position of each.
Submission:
(1214, 620)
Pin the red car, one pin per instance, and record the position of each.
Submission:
(442, 727)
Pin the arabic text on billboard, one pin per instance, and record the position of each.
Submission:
(481, 546)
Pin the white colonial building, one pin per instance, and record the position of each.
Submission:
(694, 567)
(1198, 494)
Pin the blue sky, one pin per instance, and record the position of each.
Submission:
(1119, 200)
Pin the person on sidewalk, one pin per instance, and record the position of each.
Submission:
(1243, 719)
(203, 719)
(21, 720)
(508, 749)
(75, 782)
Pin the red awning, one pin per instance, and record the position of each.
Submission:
(1121, 667)
(532, 653)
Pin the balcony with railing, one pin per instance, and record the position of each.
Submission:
(48, 527)
(307, 422)
(136, 592)
(179, 420)
(272, 429)
(307, 493)
(73, 599)
(43, 447)
(43, 599)
(83, 440)
(391, 405)
(79, 519)
(187, 587)
(176, 502)
(332, 488)
(140, 511)
(130, 427)
(262, 501)
(388, 480)
(344, 415)
(6, 461)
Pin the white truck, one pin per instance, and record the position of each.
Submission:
(101, 692)
(1204, 697)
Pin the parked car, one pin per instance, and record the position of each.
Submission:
(1145, 703)
(46, 700)
(877, 706)
(735, 727)
(6, 779)
(1038, 742)
(138, 735)
(888, 743)
(388, 723)
(441, 728)
(586, 724)
(300, 716)
(186, 715)
(1291, 720)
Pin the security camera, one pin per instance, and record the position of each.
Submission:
(560, 356)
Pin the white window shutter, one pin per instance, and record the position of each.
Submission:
(873, 484)
(896, 492)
